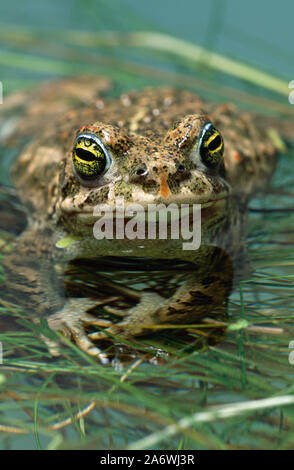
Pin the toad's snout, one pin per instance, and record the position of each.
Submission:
(154, 175)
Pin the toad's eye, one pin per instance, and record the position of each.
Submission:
(211, 146)
(90, 157)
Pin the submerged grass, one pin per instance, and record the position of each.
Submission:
(236, 392)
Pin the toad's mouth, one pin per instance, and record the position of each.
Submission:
(149, 212)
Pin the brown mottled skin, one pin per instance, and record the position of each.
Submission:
(152, 137)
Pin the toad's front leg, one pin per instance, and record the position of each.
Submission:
(72, 321)
(203, 292)
(32, 279)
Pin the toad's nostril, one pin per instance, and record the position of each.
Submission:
(181, 168)
(142, 171)
(139, 173)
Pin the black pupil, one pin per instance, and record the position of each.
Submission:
(215, 143)
(85, 155)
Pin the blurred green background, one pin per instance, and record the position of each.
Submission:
(259, 33)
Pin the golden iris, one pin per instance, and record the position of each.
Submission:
(211, 146)
(89, 158)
